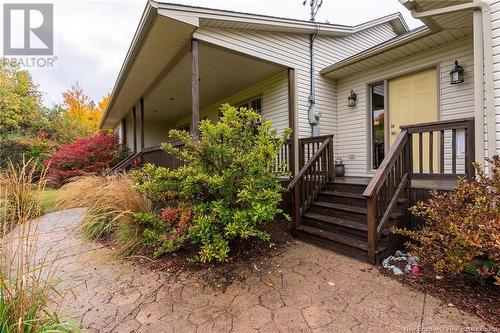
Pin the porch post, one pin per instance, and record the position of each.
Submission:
(124, 131)
(292, 106)
(142, 123)
(134, 118)
(195, 90)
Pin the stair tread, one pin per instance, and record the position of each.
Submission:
(337, 221)
(341, 238)
(349, 208)
(344, 194)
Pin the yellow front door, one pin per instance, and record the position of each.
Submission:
(413, 100)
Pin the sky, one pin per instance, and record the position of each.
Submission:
(91, 38)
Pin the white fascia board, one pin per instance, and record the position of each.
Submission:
(300, 26)
(148, 17)
(187, 18)
(390, 44)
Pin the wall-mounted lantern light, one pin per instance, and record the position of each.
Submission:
(351, 100)
(457, 74)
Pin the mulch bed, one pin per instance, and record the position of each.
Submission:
(249, 252)
(482, 300)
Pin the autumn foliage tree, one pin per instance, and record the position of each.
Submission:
(91, 155)
(78, 116)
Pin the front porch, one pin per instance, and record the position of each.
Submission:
(352, 215)
(194, 84)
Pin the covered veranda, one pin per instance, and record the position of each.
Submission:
(170, 80)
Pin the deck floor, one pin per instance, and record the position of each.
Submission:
(434, 184)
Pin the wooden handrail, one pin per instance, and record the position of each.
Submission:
(437, 125)
(384, 168)
(309, 163)
(396, 170)
(125, 164)
(311, 178)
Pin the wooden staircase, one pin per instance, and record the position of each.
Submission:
(337, 219)
(353, 216)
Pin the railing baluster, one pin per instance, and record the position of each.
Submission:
(431, 152)
(420, 152)
(441, 152)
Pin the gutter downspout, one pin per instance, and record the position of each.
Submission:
(483, 70)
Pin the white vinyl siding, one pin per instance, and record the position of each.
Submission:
(274, 94)
(292, 50)
(495, 22)
(155, 132)
(351, 135)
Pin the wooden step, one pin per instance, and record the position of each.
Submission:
(346, 211)
(339, 210)
(335, 224)
(335, 221)
(345, 187)
(347, 198)
(340, 242)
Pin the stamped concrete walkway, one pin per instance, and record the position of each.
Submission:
(301, 288)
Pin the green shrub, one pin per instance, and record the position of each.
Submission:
(228, 185)
(17, 147)
(462, 229)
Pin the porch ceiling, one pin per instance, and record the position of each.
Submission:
(157, 41)
(222, 73)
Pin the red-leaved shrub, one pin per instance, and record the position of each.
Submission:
(85, 156)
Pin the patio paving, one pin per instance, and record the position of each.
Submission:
(300, 288)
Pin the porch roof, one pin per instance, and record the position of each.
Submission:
(162, 38)
(443, 29)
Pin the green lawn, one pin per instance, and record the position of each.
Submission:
(48, 200)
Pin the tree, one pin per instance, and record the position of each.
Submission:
(20, 102)
(78, 116)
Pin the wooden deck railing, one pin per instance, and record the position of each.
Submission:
(158, 156)
(406, 160)
(312, 177)
(125, 164)
(285, 161)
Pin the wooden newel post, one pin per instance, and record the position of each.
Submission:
(134, 119)
(195, 90)
(124, 132)
(470, 152)
(331, 163)
(296, 206)
(372, 229)
(142, 123)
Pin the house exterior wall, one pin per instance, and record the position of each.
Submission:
(352, 142)
(156, 132)
(292, 50)
(274, 94)
(495, 25)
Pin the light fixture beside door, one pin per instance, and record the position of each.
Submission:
(457, 74)
(351, 100)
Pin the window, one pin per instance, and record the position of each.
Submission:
(255, 104)
(377, 122)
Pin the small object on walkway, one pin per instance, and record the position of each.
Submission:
(411, 266)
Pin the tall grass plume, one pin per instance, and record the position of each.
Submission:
(111, 204)
(26, 276)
